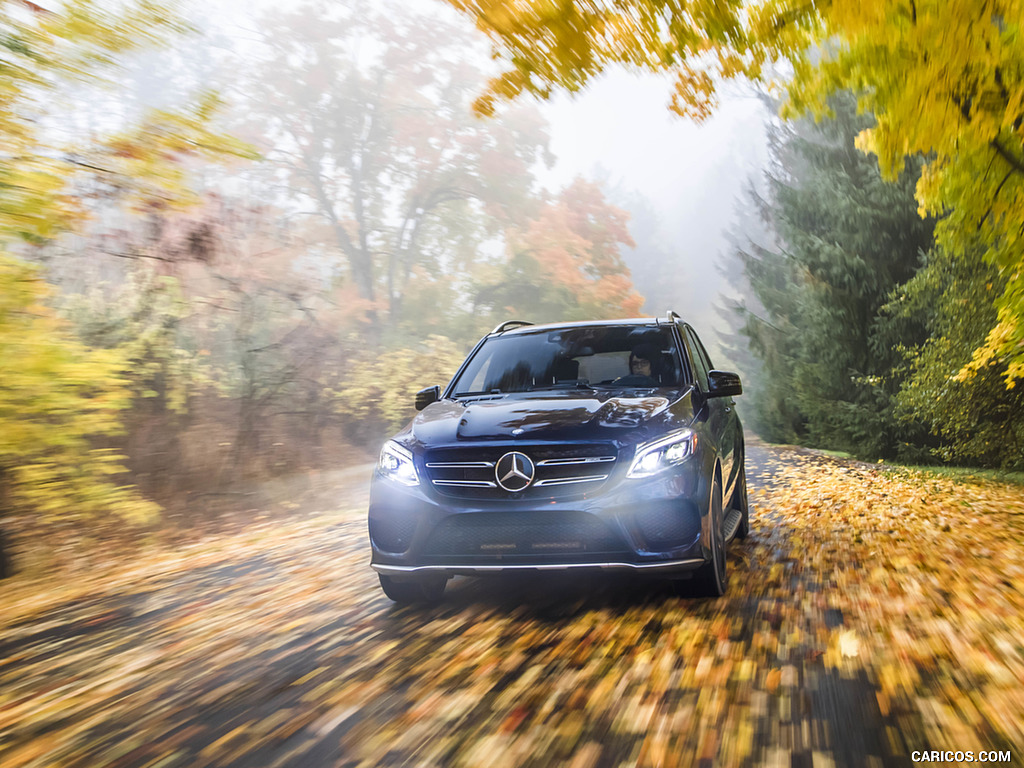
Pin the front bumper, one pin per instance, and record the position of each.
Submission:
(641, 526)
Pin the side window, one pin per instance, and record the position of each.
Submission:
(700, 359)
(702, 352)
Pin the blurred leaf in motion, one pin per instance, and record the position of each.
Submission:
(380, 388)
(60, 400)
(150, 164)
(42, 52)
(943, 79)
(56, 396)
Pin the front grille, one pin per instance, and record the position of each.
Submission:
(560, 471)
(522, 533)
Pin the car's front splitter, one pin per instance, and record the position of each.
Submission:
(659, 568)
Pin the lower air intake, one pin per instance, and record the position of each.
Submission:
(523, 533)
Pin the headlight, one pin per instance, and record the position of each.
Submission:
(657, 455)
(396, 464)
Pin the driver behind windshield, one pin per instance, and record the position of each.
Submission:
(643, 366)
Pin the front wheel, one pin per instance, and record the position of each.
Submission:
(710, 580)
(419, 588)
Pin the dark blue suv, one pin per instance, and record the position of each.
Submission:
(600, 445)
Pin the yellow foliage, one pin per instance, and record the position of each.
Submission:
(380, 387)
(140, 320)
(945, 79)
(40, 50)
(56, 398)
(151, 160)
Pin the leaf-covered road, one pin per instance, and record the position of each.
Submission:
(869, 615)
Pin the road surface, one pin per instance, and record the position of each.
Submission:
(278, 649)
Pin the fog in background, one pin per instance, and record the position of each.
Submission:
(680, 181)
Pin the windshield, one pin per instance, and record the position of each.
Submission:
(604, 356)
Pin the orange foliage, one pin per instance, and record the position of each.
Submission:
(576, 241)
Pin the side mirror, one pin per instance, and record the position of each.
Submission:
(724, 384)
(427, 396)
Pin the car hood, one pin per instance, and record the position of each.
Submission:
(574, 415)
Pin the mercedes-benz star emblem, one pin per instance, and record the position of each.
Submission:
(514, 471)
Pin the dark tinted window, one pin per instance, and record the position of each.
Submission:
(700, 359)
(598, 356)
(705, 358)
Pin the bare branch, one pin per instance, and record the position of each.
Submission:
(1014, 161)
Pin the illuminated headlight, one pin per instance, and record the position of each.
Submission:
(396, 464)
(651, 458)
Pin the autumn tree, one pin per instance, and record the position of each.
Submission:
(235, 332)
(268, 325)
(56, 395)
(378, 393)
(366, 114)
(252, 298)
(975, 420)
(845, 240)
(566, 264)
(944, 80)
(59, 399)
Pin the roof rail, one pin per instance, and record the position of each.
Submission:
(671, 316)
(509, 324)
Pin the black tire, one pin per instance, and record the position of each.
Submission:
(740, 501)
(711, 579)
(421, 588)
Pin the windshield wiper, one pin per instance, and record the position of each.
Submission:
(481, 393)
(630, 385)
(579, 384)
